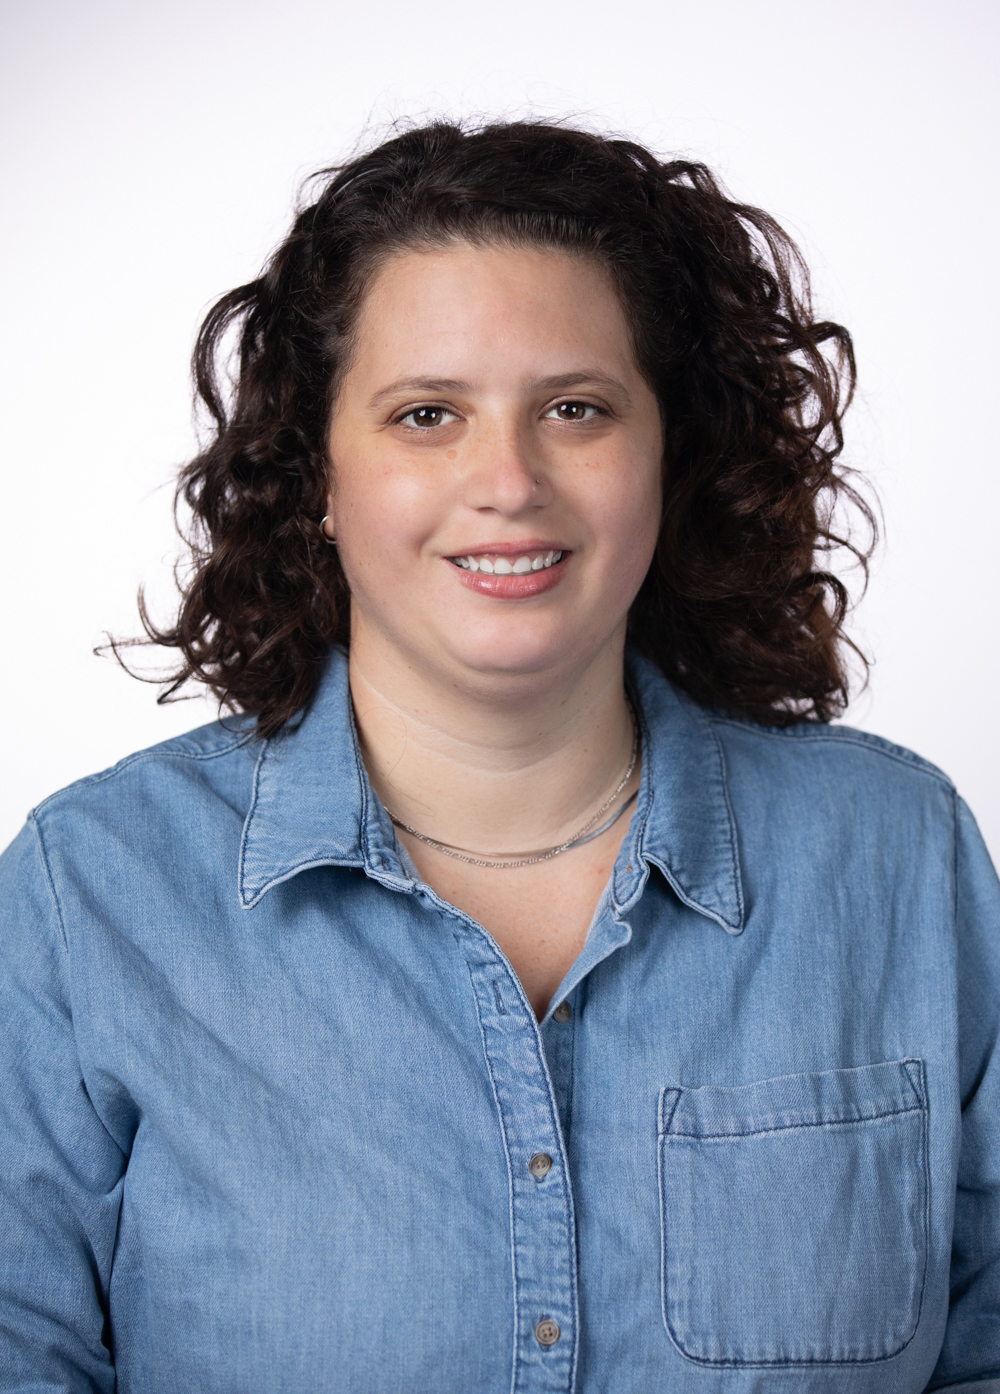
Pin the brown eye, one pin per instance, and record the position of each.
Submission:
(425, 416)
(573, 411)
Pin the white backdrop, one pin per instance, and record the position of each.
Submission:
(150, 159)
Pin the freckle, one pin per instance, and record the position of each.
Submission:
(451, 454)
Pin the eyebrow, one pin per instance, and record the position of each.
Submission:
(556, 383)
(428, 385)
(563, 381)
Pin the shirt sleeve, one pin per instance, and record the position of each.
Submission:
(971, 1350)
(60, 1170)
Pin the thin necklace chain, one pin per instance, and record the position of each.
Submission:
(506, 861)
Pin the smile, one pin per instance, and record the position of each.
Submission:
(494, 565)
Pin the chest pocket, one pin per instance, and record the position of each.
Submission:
(794, 1216)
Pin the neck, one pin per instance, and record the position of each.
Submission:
(504, 764)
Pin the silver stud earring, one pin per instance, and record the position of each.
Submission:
(330, 541)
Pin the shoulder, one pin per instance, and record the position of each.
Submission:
(832, 748)
(833, 785)
(774, 754)
(808, 770)
(210, 766)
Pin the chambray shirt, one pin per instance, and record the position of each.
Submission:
(276, 1117)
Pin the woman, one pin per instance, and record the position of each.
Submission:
(530, 990)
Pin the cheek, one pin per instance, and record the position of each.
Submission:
(632, 527)
(637, 546)
(629, 515)
(381, 511)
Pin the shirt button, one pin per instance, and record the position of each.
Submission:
(540, 1165)
(563, 1012)
(547, 1332)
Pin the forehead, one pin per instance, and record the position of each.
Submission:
(495, 307)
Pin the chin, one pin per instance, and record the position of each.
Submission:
(516, 651)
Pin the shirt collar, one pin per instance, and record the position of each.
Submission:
(312, 804)
(684, 822)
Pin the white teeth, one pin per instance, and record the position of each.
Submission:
(500, 566)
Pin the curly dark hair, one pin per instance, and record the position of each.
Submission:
(734, 609)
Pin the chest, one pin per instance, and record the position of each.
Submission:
(538, 915)
(338, 1143)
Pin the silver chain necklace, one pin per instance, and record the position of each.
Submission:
(506, 861)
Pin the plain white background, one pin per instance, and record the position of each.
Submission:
(150, 160)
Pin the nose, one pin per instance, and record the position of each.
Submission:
(505, 474)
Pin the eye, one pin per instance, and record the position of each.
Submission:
(574, 411)
(425, 418)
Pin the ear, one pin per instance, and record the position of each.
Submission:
(328, 527)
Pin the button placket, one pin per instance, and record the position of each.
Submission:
(542, 1225)
(559, 1034)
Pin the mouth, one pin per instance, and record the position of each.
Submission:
(508, 571)
(501, 564)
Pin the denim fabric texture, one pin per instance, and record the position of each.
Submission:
(269, 1103)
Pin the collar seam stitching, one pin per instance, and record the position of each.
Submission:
(667, 863)
(128, 760)
(244, 840)
(733, 850)
(907, 759)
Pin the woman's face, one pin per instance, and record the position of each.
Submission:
(496, 461)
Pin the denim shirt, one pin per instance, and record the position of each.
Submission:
(276, 1117)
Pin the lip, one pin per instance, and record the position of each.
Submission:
(512, 587)
(511, 549)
